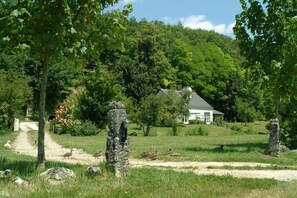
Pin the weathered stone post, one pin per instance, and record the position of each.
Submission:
(117, 145)
(16, 124)
(274, 138)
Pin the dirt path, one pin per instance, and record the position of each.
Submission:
(54, 152)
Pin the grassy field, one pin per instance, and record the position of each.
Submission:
(239, 146)
(152, 182)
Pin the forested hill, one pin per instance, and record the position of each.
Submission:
(156, 56)
(165, 56)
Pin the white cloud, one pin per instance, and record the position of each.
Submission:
(127, 1)
(200, 22)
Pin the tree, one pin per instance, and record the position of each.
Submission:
(263, 32)
(100, 88)
(14, 95)
(53, 29)
(148, 113)
(174, 106)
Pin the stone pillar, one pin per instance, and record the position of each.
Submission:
(274, 138)
(16, 124)
(117, 145)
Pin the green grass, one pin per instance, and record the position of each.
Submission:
(141, 182)
(239, 146)
(153, 182)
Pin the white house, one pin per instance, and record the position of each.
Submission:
(199, 109)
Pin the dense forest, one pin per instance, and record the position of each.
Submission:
(156, 56)
(148, 56)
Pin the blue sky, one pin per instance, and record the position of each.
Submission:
(216, 15)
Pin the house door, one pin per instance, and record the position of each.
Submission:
(207, 117)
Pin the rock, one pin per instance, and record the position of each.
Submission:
(5, 174)
(19, 181)
(284, 149)
(7, 145)
(93, 171)
(58, 173)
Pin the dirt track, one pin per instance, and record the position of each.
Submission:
(54, 152)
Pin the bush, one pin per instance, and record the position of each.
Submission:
(245, 111)
(236, 128)
(4, 131)
(197, 131)
(197, 121)
(60, 129)
(86, 128)
(219, 121)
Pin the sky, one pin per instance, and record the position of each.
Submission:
(216, 15)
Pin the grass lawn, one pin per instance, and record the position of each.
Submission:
(152, 182)
(141, 182)
(239, 146)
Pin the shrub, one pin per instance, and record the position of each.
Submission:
(77, 128)
(245, 111)
(197, 131)
(60, 129)
(219, 121)
(236, 128)
(86, 128)
(197, 121)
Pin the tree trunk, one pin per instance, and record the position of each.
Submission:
(277, 104)
(42, 95)
(147, 130)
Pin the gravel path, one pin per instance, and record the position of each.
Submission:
(54, 152)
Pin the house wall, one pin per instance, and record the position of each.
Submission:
(203, 115)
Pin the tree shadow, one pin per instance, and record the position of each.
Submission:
(232, 148)
(25, 167)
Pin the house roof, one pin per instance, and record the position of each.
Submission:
(215, 112)
(196, 102)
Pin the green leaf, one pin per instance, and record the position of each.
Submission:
(15, 13)
(6, 38)
(73, 31)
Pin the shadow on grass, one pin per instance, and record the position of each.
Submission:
(231, 148)
(27, 167)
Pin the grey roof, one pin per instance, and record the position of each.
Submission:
(196, 102)
(215, 112)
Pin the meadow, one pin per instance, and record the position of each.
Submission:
(240, 146)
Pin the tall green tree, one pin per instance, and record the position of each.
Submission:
(14, 96)
(262, 30)
(100, 88)
(148, 113)
(174, 107)
(52, 29)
